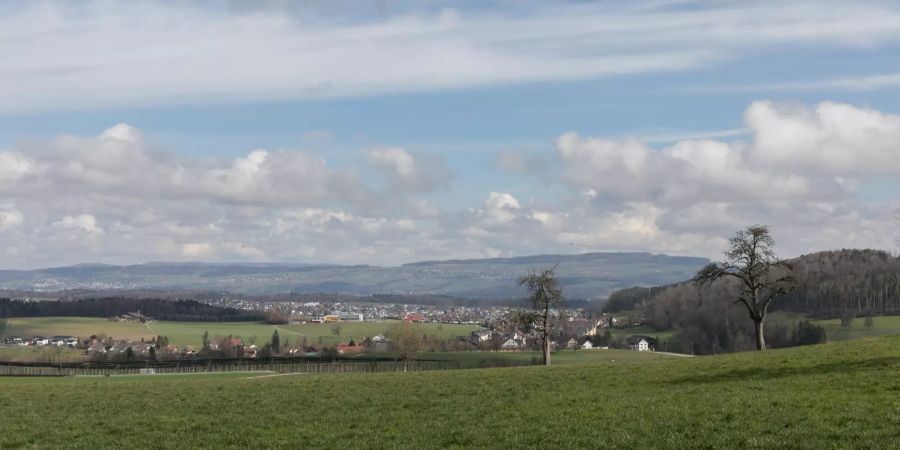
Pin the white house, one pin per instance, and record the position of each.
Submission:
(642, 346)
(481, 336)
(587, 345)
(511, 344)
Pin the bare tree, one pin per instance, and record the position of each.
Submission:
(546, 298)
(751, 260)
(406, 340)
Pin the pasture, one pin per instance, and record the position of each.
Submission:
(883, 325)
(835, 395)
(75, 326)
(191, 333)
(561, 357)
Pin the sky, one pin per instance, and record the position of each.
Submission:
(385, 132)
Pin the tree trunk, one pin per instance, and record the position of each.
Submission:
(760, 339)
(546, 350)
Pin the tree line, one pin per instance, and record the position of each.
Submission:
(831, 284)
(173, 310)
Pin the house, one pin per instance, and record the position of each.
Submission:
(347, 348)
(413, 317)
(643, 345)
(14, 340)
(587, 344)
(512, 344)
(480, 336)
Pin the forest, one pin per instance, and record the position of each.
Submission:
(173, 310)
(832, 284)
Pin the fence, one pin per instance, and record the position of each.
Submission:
(213, 366)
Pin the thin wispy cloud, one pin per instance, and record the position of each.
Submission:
(70, 56)
(853, 84)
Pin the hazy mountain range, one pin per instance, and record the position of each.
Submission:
(584, 276)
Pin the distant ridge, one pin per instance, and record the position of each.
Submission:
(583, 276)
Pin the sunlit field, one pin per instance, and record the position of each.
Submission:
(835, 395)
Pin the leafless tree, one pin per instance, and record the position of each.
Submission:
(546, 298)
(751, 260)
(406, 340)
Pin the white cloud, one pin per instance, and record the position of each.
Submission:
(10, 217)
(807, 170)
(82, 222)
(404, 172)
(107, 54)
(197, 250)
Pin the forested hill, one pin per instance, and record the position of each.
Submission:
(837, 282)
(177, 310)
(831, 284)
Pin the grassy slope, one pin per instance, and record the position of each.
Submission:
(562, 357)
(836, 395)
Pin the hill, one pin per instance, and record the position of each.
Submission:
(846, 283)
(585, 276)
(838, 395)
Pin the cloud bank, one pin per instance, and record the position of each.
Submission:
(116, 198)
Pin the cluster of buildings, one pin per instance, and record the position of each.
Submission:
(42, 341)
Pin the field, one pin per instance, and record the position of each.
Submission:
(836, 395)
(191, 333)
(884, 325)
(562, 357)
(75, 326)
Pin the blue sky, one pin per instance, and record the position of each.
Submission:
(473, 98)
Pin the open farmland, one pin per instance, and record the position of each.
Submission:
(191, 333)
(883, 325)
(561, 357)
(75, 326)
(835, 395)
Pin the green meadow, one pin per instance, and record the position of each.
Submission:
(191, 333)
(835, 395)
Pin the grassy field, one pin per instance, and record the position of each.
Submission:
(191, 333)
(836, 395)
(884, 325)
(562, 357)
(75, 326)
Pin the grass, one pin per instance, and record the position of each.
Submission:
(40, 354)
(884, 325)
(562, 357)
(75, 326)
(191, 333)
(836, 395)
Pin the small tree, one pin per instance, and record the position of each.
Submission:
(869, 323)
(750, 259)
(205, 341)
(545, 297)
(336, 330)
(276, 343)
(406, 340)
